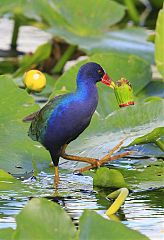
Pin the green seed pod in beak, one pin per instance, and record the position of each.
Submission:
(124, 93)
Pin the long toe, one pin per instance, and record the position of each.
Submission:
(96, 164)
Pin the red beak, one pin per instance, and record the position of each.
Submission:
(107, 81)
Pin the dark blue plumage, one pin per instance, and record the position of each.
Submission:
(65, 117)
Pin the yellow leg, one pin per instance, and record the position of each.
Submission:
(56, 176)
(93, 161)
(108, 157)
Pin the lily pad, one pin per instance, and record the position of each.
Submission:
(100, 228)
(5, 176)
(65, 20)
(46, 219)
(92, 34)
(17, 149)
(156, 136)
(110, 12)
(19, 8)
(6, 233)
(137, 115)
(131, 40)
(152, 89)
(105, 177)
(146, 175)
(67, 16)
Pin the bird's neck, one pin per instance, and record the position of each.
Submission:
(87, 89)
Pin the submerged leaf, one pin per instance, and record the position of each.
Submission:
(105, 177)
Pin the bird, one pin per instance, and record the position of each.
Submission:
(66, 116)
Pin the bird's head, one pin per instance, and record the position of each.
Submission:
(93, 72)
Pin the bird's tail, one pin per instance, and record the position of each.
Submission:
(30, 117)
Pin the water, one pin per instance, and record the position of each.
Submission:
(142, 211)
(28, 40)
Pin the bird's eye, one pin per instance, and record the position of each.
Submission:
(100, 71)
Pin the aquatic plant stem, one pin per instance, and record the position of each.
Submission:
(15, 33)
(160, 144)
(65, 57)
(120, 195)
(132, 11)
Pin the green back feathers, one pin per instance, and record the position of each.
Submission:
(39, 123)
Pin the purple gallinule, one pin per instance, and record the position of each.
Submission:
(65, 117)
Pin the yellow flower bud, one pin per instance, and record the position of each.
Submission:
(34, 80)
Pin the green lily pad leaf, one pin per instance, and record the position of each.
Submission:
(17, 149)
(137, 115)
(67, 16)
(5, 176)
(20, 9)
(7, 67)
(147, 175)
(32, 60)
(8, 182)
(154, 89)
(130, 40)
(92, 35)
(133, 68)
(95, 227)
(159, 40)
(6, 233)
(47, 219)
(148, 99)
(7, 5)
(109, 13)
(105, 177)
(156, 136)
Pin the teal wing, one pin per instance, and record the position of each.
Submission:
(39, 122)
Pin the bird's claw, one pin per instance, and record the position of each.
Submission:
(96, 164)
